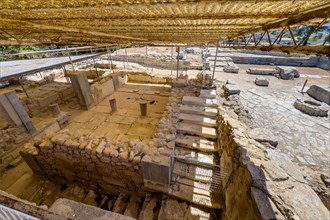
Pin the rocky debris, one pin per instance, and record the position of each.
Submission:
(312, 107)
(120, 204)
(172, 209)
(259, 71)
(231, 68)
(326, 180)
(287, 73)
(319, 93)
(132, 209)
(261, 81)
(263, 135)
(149, 208)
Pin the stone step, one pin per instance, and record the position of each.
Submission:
(208, 93)
(193, 129)
(199, 101)
(194, 195)
(196, 143)
(195, 157)
(194, 212)
(202, 185)
(199, 110)
(196, 173)
(198, 119)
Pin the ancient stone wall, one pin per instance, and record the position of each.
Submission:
(11, 138)
(144, 77)
(159, 62)
(41, 97)
(245, 196)
(265, 183)
(96, 162)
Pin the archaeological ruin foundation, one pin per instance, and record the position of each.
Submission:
(168, 110)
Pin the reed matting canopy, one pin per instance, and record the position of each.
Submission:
(115, 22)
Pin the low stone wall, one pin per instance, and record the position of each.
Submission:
(244, 189)
(159, 63)
(264, 183)
(95, 162)
(43, 96)
(312, 61)
(143, 77)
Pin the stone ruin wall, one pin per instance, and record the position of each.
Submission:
(244, 193)
(11, 138)
(158, 63)
(95, 162)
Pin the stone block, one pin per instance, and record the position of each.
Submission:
(155, 172)
(231, 89)
(82, 89)
(287, 72)
(261, 81)
(319, 93)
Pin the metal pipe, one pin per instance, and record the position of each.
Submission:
(20, 82)
(177, 65)
(126, 57)
(70, 59)
(171, 60)
(215, 60)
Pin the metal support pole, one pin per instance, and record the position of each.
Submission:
(70, 59)
(171, 60)
(292, 36)
(215, 60)
(20, 82)
(269, 41)
(302, 89)
(110, 62)
(126, 57)
(262, 36)
(97, 72)
(254, 39)
(66, 75)
(278, 36)
(312, 31)
(177, 65)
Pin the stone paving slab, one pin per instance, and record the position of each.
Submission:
(198, 119)
(198, 101)
(196, 143)
(199, 110)
(199, 130)
(304, 138)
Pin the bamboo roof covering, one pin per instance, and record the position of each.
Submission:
(115, 22)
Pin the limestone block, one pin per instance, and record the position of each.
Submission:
(287, 72)
(231, 69)
(231, 89)
(261, 81)
(312, 107)
(319, 93)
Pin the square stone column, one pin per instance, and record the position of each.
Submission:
(82, 89)
(13, 111)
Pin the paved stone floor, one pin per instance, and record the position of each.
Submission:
(126, 122)
(304, 138)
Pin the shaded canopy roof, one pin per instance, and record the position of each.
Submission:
(113, 22)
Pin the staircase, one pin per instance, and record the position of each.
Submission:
(195, 172)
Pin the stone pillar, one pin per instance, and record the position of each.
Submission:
(13, 111)
(82, 89)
